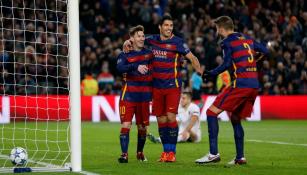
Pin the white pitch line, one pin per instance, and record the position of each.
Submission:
(278, 143)
(88, 173)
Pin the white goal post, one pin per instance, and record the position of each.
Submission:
(75, 96)
(40, 103)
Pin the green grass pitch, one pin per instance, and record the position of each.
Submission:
(100, 150)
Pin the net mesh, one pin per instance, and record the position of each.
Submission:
(34, 81)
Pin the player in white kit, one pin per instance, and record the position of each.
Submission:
(189, 119)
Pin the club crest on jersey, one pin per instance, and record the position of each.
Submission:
(168, 46)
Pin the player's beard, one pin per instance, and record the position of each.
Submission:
(167, 34)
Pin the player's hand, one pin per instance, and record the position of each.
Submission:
(127, 46)
(185, 135)
(143, 69)
(205, 75)
(259, 56)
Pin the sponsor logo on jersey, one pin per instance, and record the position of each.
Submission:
(160, 53)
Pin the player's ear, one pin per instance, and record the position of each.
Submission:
(131, 38)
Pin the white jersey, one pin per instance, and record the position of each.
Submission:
(184, 117)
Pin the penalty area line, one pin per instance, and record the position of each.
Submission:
(277, 142)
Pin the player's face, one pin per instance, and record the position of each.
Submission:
(185, 100)
(166, 29)
(138, 39)
(220, 31)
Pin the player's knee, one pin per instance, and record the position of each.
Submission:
(197, 139)
(209, 112)
(235, 119)
(126, 125)
(194, 137)
(142, 128)
(162, 119)
(171, 117)
(172, 120)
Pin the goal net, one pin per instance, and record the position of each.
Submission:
(34, 83)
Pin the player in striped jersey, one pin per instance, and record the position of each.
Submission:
(168, 50)
(239, 55)
(136, 94)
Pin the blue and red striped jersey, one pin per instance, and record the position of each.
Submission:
(137, 87)
(239, 53)
(167, 60)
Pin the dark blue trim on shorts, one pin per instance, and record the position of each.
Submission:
(223, 99)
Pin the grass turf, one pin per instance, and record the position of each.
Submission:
(101, 149)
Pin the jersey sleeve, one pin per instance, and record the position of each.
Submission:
(182, 47)
(194, 110)
(227, 60)
(260, 48)
(123, 66)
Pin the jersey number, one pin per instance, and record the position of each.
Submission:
(251, 58)
(122, 110)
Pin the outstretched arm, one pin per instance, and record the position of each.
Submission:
(194, 61)
(226, 64)
(261, 50)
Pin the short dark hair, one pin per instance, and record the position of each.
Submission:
(224, 22)
(187, 93)
(135, 29)
(164, 18)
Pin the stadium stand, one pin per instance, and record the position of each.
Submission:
(103, 28)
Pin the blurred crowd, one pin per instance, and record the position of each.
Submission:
(280, 24)
(104, 24)
(33, 47)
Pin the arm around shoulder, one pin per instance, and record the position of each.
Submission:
(123, 66)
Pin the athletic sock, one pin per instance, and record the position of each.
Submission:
(173, 136)
(124, 139)
(239, 138)
(141, 139)
(163, 132)
(213, 130)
